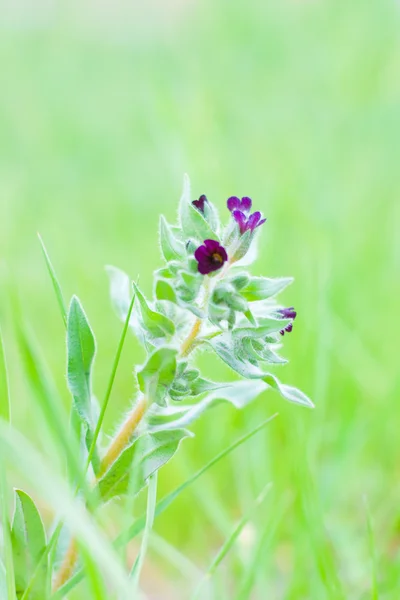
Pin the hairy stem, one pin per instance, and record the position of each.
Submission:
(124, 435)
(188, 342)
(116, 447)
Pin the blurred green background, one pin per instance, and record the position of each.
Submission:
(103, 107)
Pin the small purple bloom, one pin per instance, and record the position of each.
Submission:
(248, 223)
(199, 204)
(210, 256)
(234, 203)
(287, 313)
(240, 209)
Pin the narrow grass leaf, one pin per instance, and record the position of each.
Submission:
(55, 282)
(5, 411)
(230, 541)
(110, 383)
(9, 582)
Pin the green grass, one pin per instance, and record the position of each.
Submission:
(295, 104)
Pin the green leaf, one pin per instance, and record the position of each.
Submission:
(192, 221)
(28, 540)
(158, 374)
(120, 291)
(4, 391)
(238, 393)
(165, 291)
(172, 248)
(242, 246)
(156, 324)
(146, 455)
(81, 349)
(224, 346)
(287, 391)
(261, 288)
(211, 216)
(55, 282)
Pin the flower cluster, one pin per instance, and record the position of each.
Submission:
(211, 256)
(205, 296)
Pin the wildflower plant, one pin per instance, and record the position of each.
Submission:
(204, 299)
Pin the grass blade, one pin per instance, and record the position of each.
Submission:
(6, 530)
(230, 541)
(163, 504)
(110, 384)
(5, 412)
(55, 282)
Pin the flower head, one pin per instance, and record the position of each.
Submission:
(244, 205)
(240, 209)
(287, 313)
(210, 256)
(199, 204)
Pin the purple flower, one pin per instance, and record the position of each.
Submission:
(199, 204)
(287, 313)
(247, 223)
(210, 256)
(240, 209)
(244, 205)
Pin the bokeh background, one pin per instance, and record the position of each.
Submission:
(103, 106)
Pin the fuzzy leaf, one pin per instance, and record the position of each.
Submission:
(28, 543)
(287, 391)
(120, 291)
(81, 348)
(261, 288)
(226, 350)
(211, 216)
(238, 393)
(81, 351)
(158, 374)
(165, 291)
(157, 325)
(172, 248)
(242, 246)
(192, 221)
(146, 455)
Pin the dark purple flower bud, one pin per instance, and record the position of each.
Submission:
(234, 203)
(247, 223)
(211, 256)
(199, 204)
(287, 313)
